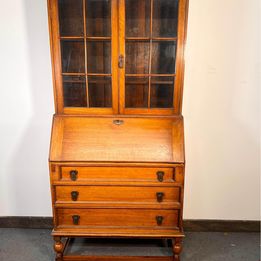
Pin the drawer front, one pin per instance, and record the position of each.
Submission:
(138, 218)
(156, 195)
(117, 174)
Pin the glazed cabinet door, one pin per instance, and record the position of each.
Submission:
(85, 55)
(150, 33)
(118, 56)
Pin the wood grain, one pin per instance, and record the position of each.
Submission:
(118, 173)
(117, 218)
(117, 165)
(136, 140)
(113, 232)
(117, 194)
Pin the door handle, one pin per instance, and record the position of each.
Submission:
(121, 61)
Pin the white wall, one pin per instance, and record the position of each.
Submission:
(221, 110)
(220, 107)
(26, 106)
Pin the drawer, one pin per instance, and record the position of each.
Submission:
(117, 174)
(117, 194)
(138, 218)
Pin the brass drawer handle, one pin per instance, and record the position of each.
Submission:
(159, 196)
(160, 175)
(73, 174)
(74, 195)
(159, 220)
(76, 219)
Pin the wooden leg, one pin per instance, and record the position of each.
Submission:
(58, 248)
(177, 248)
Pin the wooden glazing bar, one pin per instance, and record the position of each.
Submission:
(86, 54)
(87, 37)
(137, 38)
(98, 38)
(152, 82)
(91, 81)
(152, 74)
(73, 74)
(70, 37)
(89, 74)
(151, 38)
(150, 50)
(99, 74)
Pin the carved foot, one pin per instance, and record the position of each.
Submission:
(177, 248)
(58, 248)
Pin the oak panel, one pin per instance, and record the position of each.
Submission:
(97, 174)
(130, 139)
(117, 218)
(111, 232)
(117, 194)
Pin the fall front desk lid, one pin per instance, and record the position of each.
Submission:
(121, 139)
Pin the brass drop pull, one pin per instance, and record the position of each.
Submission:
(74, 195)
(160, 175)
(73, 174)
(121, 61)
(160, 196)
(75, 219)
(159, 220)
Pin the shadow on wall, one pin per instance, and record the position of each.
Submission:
(29, 165)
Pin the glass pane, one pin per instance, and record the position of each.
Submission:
(136, 92)
(163, 57)
(165, 18)
(162, 89)
(71, 17)
(73, 56)
(137, 18)
(98, 17)
(74, 91)
(99, 57)
(137, 57)
(100, 93)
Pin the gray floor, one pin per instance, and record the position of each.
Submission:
(36, 245)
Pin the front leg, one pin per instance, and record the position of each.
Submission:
(177, 248)
(58, 248)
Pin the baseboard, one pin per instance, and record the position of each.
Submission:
(221, 226)
(26, 222)
(189, 225)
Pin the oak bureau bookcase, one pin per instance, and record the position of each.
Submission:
(117, 144)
